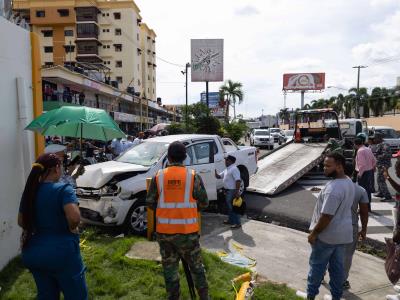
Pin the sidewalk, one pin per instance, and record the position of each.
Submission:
(282, 256)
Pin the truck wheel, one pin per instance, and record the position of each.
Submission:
(244, 175)
(136, 220)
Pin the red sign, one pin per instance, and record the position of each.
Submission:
(303, 81)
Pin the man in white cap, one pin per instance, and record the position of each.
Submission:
(67, 176)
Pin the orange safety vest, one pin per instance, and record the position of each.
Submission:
(176, 208)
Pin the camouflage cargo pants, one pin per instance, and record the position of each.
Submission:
(187, 246)
(382, 186)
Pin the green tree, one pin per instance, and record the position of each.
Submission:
(235, 130)
(284, 115)
(231, 93)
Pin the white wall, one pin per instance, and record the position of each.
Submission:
(17, 146)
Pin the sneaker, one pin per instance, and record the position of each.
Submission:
(392, 297)
(397, 288)
(387, 199)
(236, 226)
(378, 195)
(346, 285)
(303, 295)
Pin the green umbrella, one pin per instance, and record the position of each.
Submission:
(77, 121)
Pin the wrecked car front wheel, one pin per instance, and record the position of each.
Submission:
(136, 220)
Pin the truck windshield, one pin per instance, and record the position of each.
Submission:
(261, 132)
(144, 154)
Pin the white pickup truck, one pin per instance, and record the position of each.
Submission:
(113, 193)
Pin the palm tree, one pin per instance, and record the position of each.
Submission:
(376, 101)
(284, 115)
(233, 93)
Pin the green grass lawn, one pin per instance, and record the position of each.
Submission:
(111, 275)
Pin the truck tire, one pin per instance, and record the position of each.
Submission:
(136, 219)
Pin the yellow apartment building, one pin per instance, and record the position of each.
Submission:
(107, 36)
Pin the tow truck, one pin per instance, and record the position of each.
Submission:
(285, 165)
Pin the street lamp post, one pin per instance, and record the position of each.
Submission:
(187, 66)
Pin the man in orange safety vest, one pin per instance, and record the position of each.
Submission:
(177, 193)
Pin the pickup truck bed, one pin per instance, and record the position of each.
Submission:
(285, 166)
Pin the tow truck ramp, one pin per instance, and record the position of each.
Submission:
(283, 167)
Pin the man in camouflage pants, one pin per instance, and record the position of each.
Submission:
(176, 246)
(383, 160)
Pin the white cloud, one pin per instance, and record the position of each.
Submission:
(247, 10)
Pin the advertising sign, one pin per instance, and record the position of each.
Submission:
(207, 60)
(214, 103)
(303, 81)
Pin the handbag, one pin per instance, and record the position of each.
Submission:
(392, 263)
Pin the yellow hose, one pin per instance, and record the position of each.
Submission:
(243, 291)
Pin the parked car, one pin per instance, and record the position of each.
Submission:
(288, 134)
(262, 138)
(113, 193)
(278, 136)
(390, 136)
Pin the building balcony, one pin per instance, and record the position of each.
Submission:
(87, 14)
(87, 31)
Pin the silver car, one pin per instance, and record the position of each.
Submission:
(262, 138)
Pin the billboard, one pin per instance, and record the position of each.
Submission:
(207, 60)
(213, 103)
(303, 81)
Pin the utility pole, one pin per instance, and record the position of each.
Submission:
(187, 66)
(357, 110)
(208, 106)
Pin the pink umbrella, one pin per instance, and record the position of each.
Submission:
(159, 127)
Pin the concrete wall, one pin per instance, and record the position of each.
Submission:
(17, 146)
(392, 121)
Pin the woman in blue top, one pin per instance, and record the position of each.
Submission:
(49, 216)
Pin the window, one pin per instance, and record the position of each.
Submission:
(118, 31)
(117, 16)
(68, 33)
(137, 36)
(108, 46)
(69, 48)
(199, 154)
(138, 82)
(118, 79)
(40, 14)
(154, 79)
(148, 90)
(104, 46)
(118, 64)
(63, 12)
(118, 47)
(48, 49)
(47, 33)
(153, 91)
(138, 67)
(107, 14)
(103, 14)
(106, 30)
(148, 77)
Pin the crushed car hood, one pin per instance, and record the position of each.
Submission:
(98, 175)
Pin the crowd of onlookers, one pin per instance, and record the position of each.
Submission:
(334, 229)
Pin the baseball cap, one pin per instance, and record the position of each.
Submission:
(54, 148)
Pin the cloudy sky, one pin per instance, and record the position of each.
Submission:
(265, 38)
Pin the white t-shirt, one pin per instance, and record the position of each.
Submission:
(336, 199)
(230, 175)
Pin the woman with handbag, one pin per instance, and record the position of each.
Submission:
(49, 216)
(396, 228)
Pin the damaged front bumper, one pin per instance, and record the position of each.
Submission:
(106, 211)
